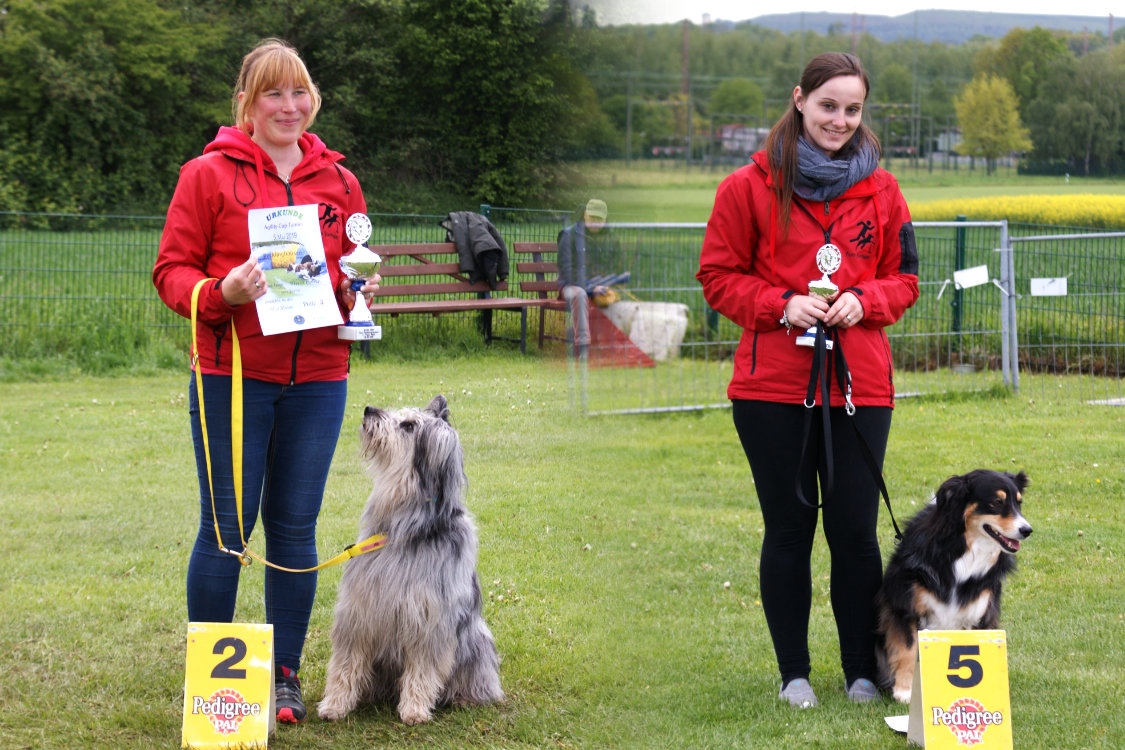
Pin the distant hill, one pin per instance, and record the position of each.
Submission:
(946, 26)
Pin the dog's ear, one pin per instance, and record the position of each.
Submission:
(951, 495)
(952, 489)
(439, 407)
(438, 461)
(1020, 480)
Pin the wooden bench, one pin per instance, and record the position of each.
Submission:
(432, 271)
(539, 278)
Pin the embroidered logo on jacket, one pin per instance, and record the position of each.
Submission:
(329, 220)
(864, 237)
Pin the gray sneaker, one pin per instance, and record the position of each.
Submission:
(799, 693)
(862, 691)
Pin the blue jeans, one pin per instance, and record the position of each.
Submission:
(289, 437)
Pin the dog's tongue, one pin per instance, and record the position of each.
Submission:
(1014, 544)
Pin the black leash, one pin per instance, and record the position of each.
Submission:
(818, 373)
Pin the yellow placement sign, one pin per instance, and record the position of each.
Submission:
(960, 697)
(228, 689)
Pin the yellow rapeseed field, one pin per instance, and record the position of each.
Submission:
(1085, 210)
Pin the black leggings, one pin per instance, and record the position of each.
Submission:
(771, 437)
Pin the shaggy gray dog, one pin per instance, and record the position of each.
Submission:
(408, 616)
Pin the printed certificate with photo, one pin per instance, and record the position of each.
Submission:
(287, 245)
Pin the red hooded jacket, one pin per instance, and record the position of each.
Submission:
(750, 268)
(206, 235)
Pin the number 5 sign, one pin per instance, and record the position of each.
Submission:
(228, 689)
(960, 697)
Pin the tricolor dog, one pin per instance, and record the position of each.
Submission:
(947, 571)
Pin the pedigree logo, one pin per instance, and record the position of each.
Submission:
(226, 708)
(967, 719)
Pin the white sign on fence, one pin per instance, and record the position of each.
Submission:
(970, 277)
(1048, 287)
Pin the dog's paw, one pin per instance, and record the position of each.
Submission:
(414, 714)
(331, 710)
(902, 696)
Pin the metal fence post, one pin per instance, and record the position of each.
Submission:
(958, 292)
(1005, 354)
(1008, 279)
(1008, 354)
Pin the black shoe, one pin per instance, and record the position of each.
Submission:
(287, 697)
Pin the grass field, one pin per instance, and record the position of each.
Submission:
(667, 192)
(618, 560)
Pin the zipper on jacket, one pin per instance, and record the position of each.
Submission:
(297, 344)
(825, 208)
(293, 365)
(220, 333)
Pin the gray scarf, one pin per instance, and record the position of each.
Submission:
(820, 178)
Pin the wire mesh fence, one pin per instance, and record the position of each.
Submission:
(957, 338)
(85, 281)
(1071, 287)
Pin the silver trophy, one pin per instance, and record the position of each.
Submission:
(828, 259)
(359, 265)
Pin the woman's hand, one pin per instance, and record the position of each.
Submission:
(804, 311)
(367, 290)
(244, 283)
(845, 312)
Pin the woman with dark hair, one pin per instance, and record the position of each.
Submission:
(812, 234)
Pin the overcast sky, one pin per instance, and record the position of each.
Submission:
(669, 11)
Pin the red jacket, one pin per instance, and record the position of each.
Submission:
(749, 269)
(206, 235)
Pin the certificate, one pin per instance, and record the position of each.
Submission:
(286, 243)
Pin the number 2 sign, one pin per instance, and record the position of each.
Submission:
(228, 688)
(960, 697)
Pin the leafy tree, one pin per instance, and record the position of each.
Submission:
(1079, 116)
(1022, 59)
(737, 96)
(990, 122)
(654, 123)
(479, 100)
(937, 101)
(894, 84)
(100, 101)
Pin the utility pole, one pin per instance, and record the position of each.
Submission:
(685, 82)
(629, 119)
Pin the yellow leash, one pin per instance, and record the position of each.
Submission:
(369, 544)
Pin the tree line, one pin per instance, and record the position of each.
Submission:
(1057, 97)
(443, 104)
(433, 103)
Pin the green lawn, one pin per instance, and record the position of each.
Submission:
(618, 560)
(663, 192)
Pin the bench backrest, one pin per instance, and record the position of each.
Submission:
(433, 268)
(539, 275)
(425, 268)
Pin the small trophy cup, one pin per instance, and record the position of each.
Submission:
(828, 259)
(359, 265)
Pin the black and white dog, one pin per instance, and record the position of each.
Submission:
(947, 572)
(408, 625)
